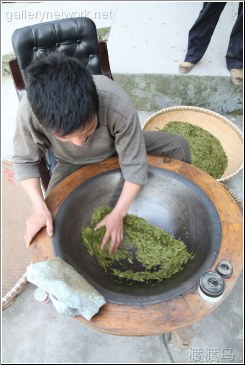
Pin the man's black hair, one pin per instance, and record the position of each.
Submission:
(61, 92)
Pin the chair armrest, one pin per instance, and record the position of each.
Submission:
(17, 77)
(104, 60)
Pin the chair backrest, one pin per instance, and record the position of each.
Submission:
(75, 37)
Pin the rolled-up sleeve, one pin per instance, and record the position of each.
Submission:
(130, 146)
(29, 146)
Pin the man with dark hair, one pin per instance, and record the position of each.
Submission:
(82, 119)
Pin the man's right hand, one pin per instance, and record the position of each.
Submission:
(40, 218)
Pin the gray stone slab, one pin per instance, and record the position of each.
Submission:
(155, 92)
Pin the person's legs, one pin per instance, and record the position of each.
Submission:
(167, 144)
(200, 34)
(234, 56)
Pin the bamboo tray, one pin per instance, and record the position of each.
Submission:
(227, 133)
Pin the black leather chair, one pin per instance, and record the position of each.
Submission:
(75, 37)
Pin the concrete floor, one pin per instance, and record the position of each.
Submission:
(153, 39)
(35, 333)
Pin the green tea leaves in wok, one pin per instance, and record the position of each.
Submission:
(156, 252)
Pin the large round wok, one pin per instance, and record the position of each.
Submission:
(170, 201)
(196, 195)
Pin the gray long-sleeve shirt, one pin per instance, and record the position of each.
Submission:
(119, 131)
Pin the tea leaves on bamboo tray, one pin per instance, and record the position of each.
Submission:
(207, 152)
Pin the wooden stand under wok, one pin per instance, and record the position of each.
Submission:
(170, 315)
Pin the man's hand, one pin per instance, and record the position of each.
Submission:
(113, 224)
(40, 218)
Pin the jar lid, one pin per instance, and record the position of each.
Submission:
(225, 269)
(212, 284)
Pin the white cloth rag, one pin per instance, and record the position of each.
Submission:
(70, 293)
